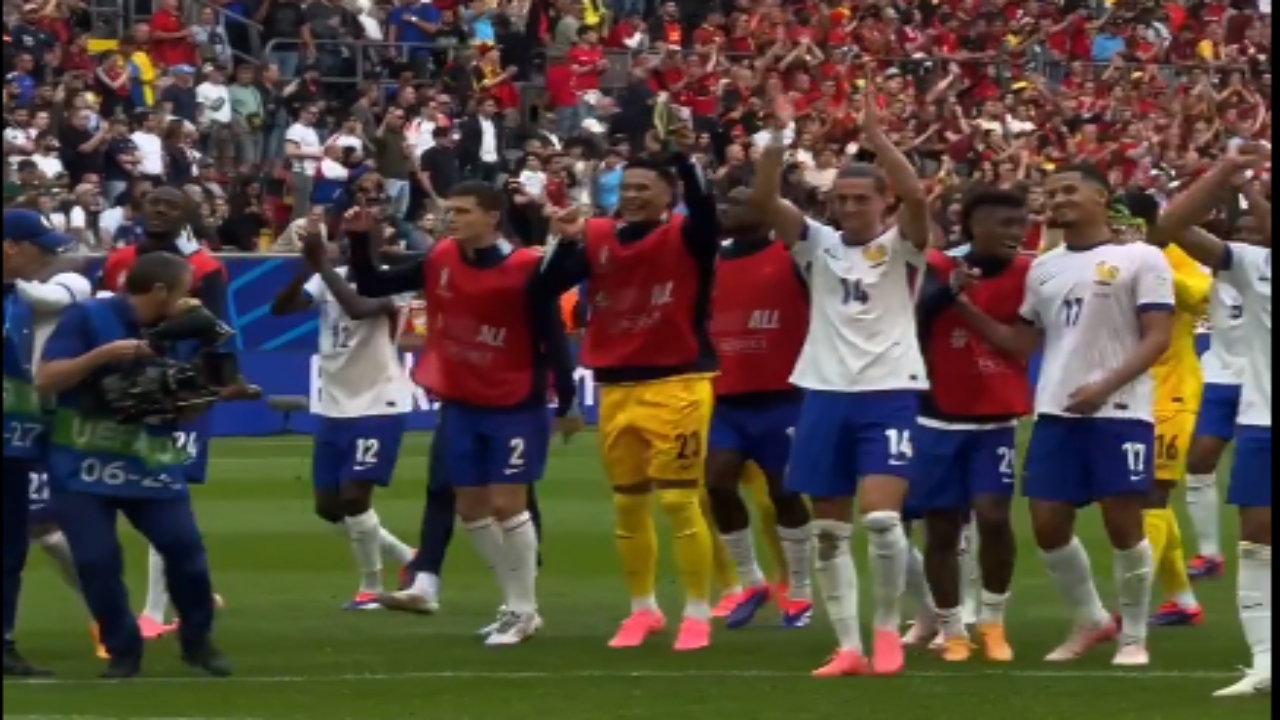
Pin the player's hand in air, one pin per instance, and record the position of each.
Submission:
(357, 220)
(869, 120)
(315, 251)
(568, 223)
(1087, 400)
(569, 425)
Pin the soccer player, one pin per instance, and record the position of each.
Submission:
(862, 371)
(967, 437)
(1223, 370)
(364, 396)
(1247, 268)
(1178, 392)
(760, 314)
(101, 468)
(1105, 312)
(164, 216)
(59, 288)
(29, 242)
(649, 276)
(493, 331)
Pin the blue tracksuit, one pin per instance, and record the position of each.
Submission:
(99, 469)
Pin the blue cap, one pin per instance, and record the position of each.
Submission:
(32, 227)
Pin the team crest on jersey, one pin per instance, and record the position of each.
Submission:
(875, 254)
(1104, 273)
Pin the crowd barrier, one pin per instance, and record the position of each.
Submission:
(279, 355)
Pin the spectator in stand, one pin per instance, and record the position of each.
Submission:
(587, 65)
(304, 151)
(214, 116)
(178, 164)
(393, 155)
(282, 22)
(210, 39)
(142, 73)
(149, 147)
(172, 39)
(248, 116)
(179, 98)
(482, 138)
(83, 148)
(121, 160)
(38, 45)
(411, 24)
(22, 78)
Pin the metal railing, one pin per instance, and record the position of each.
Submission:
(253, 30)
(362, 56)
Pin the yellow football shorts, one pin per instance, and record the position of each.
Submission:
(655, 430)
(1174, 432)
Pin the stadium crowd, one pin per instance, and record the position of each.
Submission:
(267, 110)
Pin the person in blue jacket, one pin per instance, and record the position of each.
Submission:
(100, 467)
(29, 242)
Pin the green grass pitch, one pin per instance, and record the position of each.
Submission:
(284, 576)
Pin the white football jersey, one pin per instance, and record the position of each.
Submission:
(1250, 275)
(360, 371)
(1088, 304)
(1223, 364)
(862, 320)
(78, 288)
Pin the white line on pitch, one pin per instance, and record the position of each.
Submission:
(639, 674)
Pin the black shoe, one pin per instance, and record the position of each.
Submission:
(16, 666)
(122, 668)
(208, 659)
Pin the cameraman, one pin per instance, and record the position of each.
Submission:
(100, 467)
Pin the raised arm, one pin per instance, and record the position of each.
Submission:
(701, 228)
(372, 281)
(352, 303)
(913, 215)
(1195, 206)
(784, 219)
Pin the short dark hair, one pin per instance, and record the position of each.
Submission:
(487, 197)
(987, 197)
(1090, 173)
(662, 169)
(155, 268)
(865, 171)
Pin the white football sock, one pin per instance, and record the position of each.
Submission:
(520, 549)
(917, 587)
(487, 538)
(1072, 573)
(55, 546)
(157, 604)
(363, 531)
(951, 623)
(393, 548)
(1254, 600)
(992, 608)
(1205, 509)
(426, 584)
(1134, 580)
(697, 609)
(644, 603)
(797, 548)
(838, 580)
(742, 550)
(970, 573)
(888, 549)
